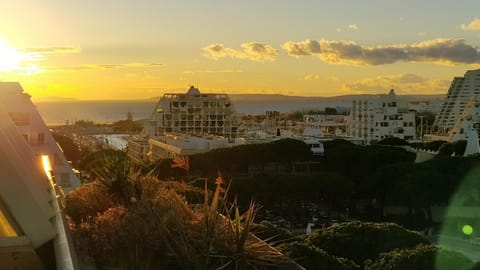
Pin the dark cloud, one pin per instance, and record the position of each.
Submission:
(447, 51)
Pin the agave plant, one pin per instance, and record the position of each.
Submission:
(153, 226)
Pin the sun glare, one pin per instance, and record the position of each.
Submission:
(10, 59)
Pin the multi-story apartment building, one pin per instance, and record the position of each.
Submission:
(377, 118)
(470, 119)
(33, 228)
(195, 113)
(461, 91)
(30, 124)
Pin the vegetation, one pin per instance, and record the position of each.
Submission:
(311, 257)
(128, 221)
(108, 210)
(393, 141)
(456, 148)
(70, 149)
(359, 241)
(422, 257)
(127, 126)
(239, 159)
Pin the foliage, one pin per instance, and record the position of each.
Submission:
(87, 201)
(70, 149)
(312, 257)
(331, 188)
(158, 229)
(431, 146)
(360, 162)
(359, 241)
(422, 257)
(271, 233)
(240, 158)
(449, 148)
(127, 125)
(433, 182)
(85, 123)
(394, 141)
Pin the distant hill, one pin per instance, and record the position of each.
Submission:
(344, 98)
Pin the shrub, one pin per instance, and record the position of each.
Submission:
(393, 141)
(312, 257)
(359, 241)
(422, 257)
(87, 202)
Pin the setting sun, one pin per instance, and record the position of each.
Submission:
(10, 59)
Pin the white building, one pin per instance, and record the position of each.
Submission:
(171, 145)
(328, 124)
(470, 119)
(381, 117)
(195, 113)
(31, 219)
(30, 124)
(461, 91)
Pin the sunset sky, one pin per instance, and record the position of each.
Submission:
(126, 49)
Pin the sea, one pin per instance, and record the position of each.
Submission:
(68, 112)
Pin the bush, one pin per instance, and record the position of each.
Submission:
(312, 257)
(359, 241)
(449, 148)
(87, 201)
(422, 257)
(271, 233)
(394, 141)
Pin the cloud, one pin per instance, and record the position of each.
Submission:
(444, 51)
(253, 51)
(353, 27)
(404, 83)
(87, 67)
(52, 50)
(213, 71)
(311, 77)
(474, 25)
(307, 47)
(259, 51)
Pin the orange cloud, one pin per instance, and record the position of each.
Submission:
(254, 51)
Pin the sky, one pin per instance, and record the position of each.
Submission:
(136, 49)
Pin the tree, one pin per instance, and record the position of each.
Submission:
(70, 149)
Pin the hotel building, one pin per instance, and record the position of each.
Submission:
(195, 113)
(461, 91)
(380, 117)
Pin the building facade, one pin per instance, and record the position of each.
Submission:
(460, 92)
(381, 117)
(30, 124)
(195, 113)
(31, 217)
